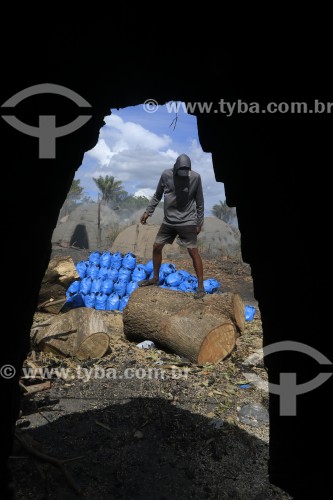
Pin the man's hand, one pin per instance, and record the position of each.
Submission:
(144, 218)
(198, 229)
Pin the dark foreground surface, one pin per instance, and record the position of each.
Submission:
(145, 424)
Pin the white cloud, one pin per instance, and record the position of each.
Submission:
(101, 152)
(147, 192)
(137, 156)
(202, 163)
(128, 135)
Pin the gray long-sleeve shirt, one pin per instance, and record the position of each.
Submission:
(183, 199)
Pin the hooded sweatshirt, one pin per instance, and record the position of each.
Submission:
(183, 196)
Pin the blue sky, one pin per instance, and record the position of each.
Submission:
(135, 146)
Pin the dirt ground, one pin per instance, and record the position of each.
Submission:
(146, 424)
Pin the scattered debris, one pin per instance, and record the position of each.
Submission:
(256, 380)
(32, 389)
(255, 359)
(217, 423)
(253, 414)
(146, 344)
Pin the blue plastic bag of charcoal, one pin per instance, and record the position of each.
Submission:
(249, 312)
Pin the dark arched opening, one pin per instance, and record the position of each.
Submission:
(80, 238)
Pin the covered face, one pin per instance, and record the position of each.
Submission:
(182, 166)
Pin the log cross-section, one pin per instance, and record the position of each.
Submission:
(79, 333)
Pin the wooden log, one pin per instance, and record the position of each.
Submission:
(230, 305)
(32, 389)
(79, 333)
(52, 306)
(113, 321)
(61, 272)
(203, 331)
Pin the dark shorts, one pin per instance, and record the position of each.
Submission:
(187, 235)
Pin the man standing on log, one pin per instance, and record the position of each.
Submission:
(183, 216)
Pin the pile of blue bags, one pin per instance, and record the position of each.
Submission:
(107, 280)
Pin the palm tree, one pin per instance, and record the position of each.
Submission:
(111, 189)
(222, 211)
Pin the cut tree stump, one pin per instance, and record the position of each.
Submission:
(203, 331)
(61, 272)
(79, 333)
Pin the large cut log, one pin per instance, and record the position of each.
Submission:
(61, 272)
(113, 321)
(203, 331)
(230, 305)
(79, 333)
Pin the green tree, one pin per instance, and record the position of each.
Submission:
(112, 191)
(223, 212)
(134, 203)
(87, 199)
(74, 196)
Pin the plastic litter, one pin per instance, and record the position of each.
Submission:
(146, 344)
(217, 423)
(253, 414)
